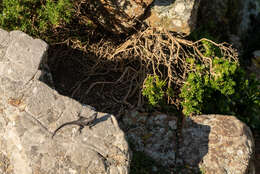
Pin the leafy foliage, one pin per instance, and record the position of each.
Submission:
(154, 90)
(223, 89)
(210, 50)
(216, 86)
(34, 16)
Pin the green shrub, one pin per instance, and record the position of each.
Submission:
(154, 90)
(210, 50)
(225, 89)
(35, 17)
(210, 82)
(54, 13)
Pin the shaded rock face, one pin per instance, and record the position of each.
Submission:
(30, 111)
(224, 145)
(122, 16)
(154, 134)
(117, 16)
(234, 16)
(179, 16)
(213, 144)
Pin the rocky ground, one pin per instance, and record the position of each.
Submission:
(71, 77)
(66, 77)
(80, 72)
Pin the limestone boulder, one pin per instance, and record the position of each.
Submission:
(179, 16)
(30, 111)
(213, 144)
(217, 144)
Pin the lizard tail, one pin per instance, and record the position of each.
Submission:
(54, 133)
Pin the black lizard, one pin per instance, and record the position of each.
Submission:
(81, 122)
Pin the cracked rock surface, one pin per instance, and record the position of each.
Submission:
(218, 144)
(213, 144)
(30, 111)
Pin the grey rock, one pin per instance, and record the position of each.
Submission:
(30, 50)
(214, 144)
(30, 111)
(153, 134)
(217, 144)
(178, 15)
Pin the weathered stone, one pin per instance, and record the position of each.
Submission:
(179, 16)
(117, 16)
(30, 111)
(217, 144)
(153, 134)
(22, 52)
(208, 143)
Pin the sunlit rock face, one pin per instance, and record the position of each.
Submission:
(30, 111)
(178, 16)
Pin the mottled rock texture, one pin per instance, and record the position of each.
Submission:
(30, 111)
(154, 134)
(179, 16)
(213, 144)
(218, 144)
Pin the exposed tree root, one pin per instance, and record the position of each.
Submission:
(120, 70)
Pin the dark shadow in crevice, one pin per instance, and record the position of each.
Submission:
(192, 145)
(74, 72)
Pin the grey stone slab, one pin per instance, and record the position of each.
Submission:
(30, 111)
